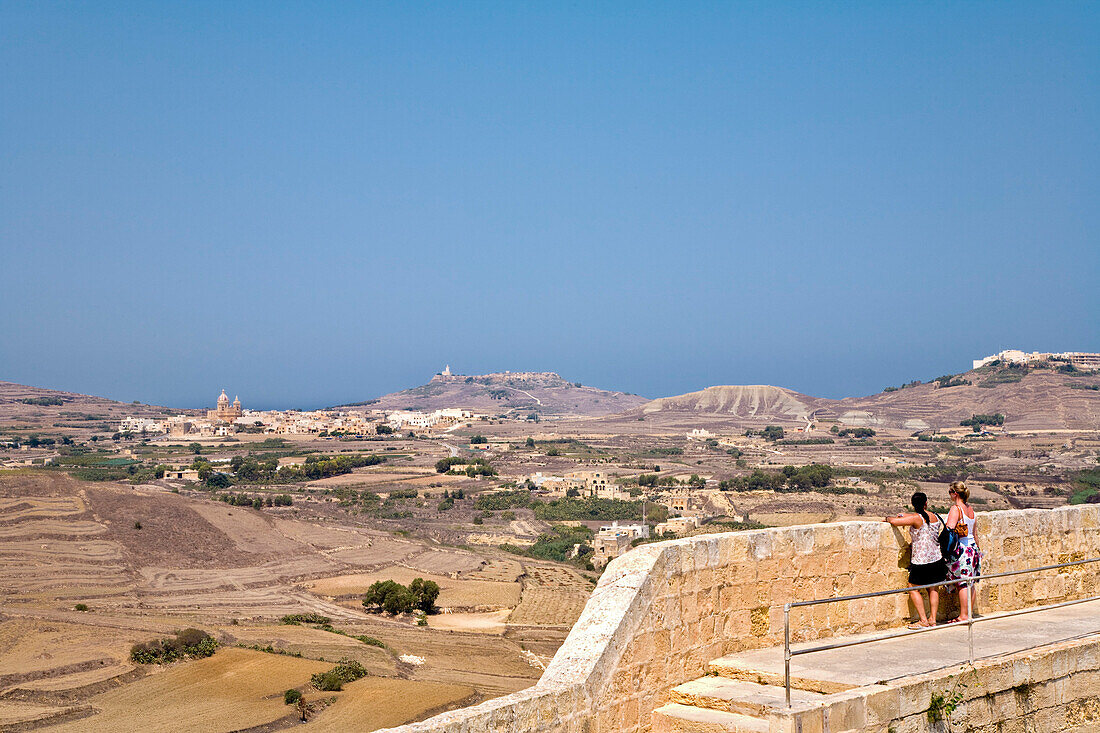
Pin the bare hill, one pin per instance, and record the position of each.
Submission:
(545, 393)
(35, 407)
(744, 402)
(1031, 399)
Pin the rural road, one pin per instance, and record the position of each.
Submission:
(536, 399)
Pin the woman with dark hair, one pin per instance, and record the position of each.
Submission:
(969, 561)
(926, 564)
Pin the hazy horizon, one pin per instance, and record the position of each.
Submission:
(324, 204)
(268, 404)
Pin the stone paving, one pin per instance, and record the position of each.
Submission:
(945, 646)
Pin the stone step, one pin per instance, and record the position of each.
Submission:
(676, 718)
(735, 668)
(736, 696)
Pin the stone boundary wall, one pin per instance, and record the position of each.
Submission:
(662, 611)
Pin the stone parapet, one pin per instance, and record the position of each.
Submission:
(662, 611)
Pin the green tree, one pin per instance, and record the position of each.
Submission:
(218, 481)
(772, 432)
(401, 600)
(195, 448)
(530, 443)
(425, 592)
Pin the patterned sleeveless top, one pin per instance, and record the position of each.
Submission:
(926, 542)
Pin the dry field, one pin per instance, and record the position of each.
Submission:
(453, 593)
(372, 703)
(234, 689)
(552, 596)
(232, 571)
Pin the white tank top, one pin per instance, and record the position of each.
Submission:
(968, 538)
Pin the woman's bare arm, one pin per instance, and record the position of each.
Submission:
(953, 516)
(906, 520)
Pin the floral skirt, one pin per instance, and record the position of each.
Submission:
(969, 562)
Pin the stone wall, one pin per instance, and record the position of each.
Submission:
(664, 610)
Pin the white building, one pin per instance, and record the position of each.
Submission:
(614, 539)
(1079, 359)
(142, 424)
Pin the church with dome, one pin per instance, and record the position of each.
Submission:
(225, 412)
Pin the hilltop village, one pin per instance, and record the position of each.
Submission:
(230, 418)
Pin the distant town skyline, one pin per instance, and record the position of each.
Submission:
(321, 204)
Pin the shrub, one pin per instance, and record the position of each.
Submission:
(444, 464)
(348, 670)
(187, 643)
(293, 619)
(291, 697)
(80, 607)
(371, 641)
(977, 421)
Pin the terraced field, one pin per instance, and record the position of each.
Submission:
(147, 562)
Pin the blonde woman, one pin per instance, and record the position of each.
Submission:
(969, 561)
(927, 565)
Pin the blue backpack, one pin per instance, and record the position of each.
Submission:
(950, 546)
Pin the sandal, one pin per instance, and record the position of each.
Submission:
(916, 626)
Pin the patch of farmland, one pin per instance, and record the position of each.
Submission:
(553, 595)
(444, 562)
(326, 537)
(376, 552)
(181, 580)
(51, 527)
(77, 680)
(30, 647)
(267, 602)
(489, 622)
(314, 643)
(14, 713)
(373, 702)
(489, 663)
(250, 530)
(39, 507)
(234, 689)
(453, 593)
(496, 568)
(541, 606)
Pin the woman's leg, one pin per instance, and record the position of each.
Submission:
(964, 603)
(918, 603)
(934, 602)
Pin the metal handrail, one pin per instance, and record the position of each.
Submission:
(788, 653)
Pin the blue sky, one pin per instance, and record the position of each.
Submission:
(321, 202)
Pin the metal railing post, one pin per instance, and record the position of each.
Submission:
(787, 651)
(970, 638)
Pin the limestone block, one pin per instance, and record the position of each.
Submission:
(828, 538)
(761, 545)
(781, 591)
(740, 551)
(782, 545)
(1003, 705)
(882, 705)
